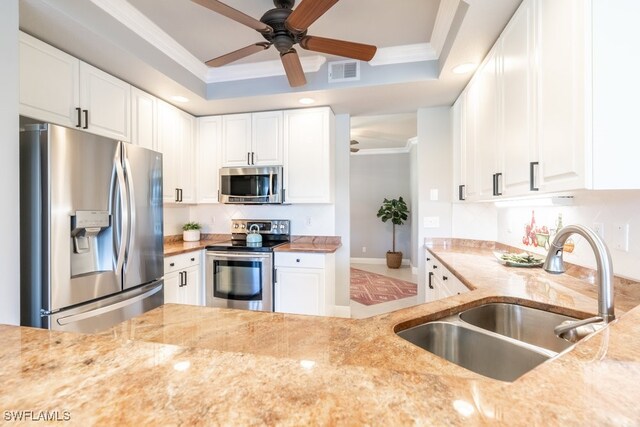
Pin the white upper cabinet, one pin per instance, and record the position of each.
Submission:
(565, 98)
(252, 139)
(208, 158)
(144, 111)
(176, 131)
(49, 88)
(562, 44)
(517, 88)
(58, 88)
(105, 102)
(266, 137)
(308, 152)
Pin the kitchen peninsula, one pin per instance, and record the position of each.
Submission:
(196, 365)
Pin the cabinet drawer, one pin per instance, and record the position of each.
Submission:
(181, 262)
(299, 259)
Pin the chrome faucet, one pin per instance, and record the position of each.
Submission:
(576, 330)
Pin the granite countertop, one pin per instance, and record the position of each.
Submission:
(174, 245)
(197, 365)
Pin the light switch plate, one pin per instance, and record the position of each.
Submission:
(621, 237)
(433, 194)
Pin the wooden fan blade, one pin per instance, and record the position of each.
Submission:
(234, 14)
(293, 68)
(307, 13)
(363, 52)
(237, 54)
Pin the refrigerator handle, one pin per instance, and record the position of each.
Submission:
(131, 204)
(124, 212)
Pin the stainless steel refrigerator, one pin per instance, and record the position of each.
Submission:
(91, 249)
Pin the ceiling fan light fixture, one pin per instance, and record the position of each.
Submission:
(306, 101)
(465, 68)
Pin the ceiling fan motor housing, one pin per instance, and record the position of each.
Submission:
(281, 37)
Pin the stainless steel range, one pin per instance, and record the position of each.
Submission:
(239, 274)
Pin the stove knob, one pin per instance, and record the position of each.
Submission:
(281, 226)
(244, 226)
(236, 225)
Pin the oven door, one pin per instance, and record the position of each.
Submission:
(239, 280)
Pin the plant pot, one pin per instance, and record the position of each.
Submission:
(191, 235)
(394, 259)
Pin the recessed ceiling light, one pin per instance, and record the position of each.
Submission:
(178, 98)
(464, 68)
(306, 101)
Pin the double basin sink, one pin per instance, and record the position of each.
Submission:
(497, 340)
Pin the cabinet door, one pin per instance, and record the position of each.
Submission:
(236, 140)
(266, 131)
(143, 119)
(191, 291)
(49, 83)
(300, 291)
(185, 171)
(468, 149)
(107, 101)
(172, 288)
(167, 145)
(208, 158)
(308, 141)
(486, 125)
(561, 91)
(516, 77)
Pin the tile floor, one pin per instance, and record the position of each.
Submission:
(359, 311)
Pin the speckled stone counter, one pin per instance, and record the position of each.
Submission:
(174, 245)
(198, 365)
(319, 244)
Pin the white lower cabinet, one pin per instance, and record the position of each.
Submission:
(304, 283)
(441, 283)
(182, 279)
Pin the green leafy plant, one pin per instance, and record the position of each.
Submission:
(191, 226)
(395, 210)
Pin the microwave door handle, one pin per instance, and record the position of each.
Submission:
(270, 183)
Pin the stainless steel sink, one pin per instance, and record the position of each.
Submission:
(500, 341)
(525, 324)
(474, 350)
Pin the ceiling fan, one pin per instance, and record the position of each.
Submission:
(354, 149)
(284, 27)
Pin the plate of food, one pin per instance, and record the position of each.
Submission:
(522, 259)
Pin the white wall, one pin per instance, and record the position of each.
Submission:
(374, 178)
(9, 173)
(342, 208)
(434, 172)
(414, 185)
(478, 221)
(606, 207)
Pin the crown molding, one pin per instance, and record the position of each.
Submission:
(256, 70)
(132, 18)
(398, 150)
(442, 25)
(402, 54)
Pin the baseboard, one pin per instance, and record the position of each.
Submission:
(376, 261)
(414, 270)
(341, 311)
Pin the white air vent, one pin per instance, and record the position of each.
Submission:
(344, 71)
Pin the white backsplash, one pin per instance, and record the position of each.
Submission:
(309, 220)
(605, 207)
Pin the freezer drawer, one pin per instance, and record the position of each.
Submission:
(103, 314)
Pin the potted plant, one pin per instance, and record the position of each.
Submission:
(191, 232)
(395, 210)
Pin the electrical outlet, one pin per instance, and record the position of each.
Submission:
(598, 227)
(431, 222)
(364, 249)
(621, 237)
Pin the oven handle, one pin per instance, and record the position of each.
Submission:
(237, 255)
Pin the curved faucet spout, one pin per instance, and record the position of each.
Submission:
(604, 280)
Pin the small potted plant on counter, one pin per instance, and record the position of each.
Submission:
(191, 232)
(395, 210)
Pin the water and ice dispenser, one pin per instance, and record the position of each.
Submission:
(90, 241)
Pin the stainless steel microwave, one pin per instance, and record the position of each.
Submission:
(251, 185)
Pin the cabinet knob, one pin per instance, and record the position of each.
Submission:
(297, 259)
(173, 264)
(428, 259)
(435, 266)
(193, 259)
(445, 278)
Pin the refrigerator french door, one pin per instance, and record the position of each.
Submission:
(91, 229)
